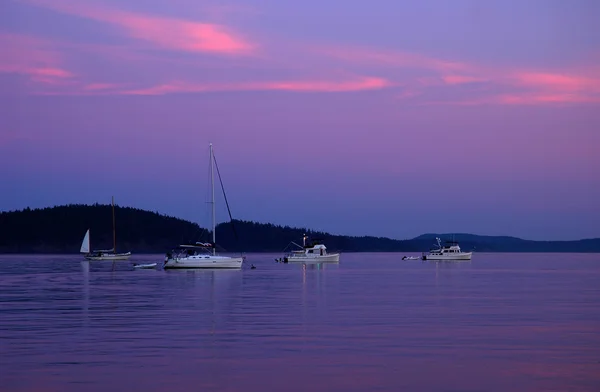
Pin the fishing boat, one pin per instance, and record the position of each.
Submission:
(103, 254)
(314, 253)
(200, 254)
(450, 251)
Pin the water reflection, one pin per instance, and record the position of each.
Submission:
(85, 269)
(318, 275)
(505, 322)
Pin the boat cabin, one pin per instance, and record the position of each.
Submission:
(451, 248)
(199, 250)
(310, 251)
(317, 250)
(446, 250)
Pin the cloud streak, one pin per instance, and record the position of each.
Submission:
(167, 33)
(461, 79)
(392, 59)
(358, 84)
(525, 87)
(33, 58)
(425, 78)
(562, 82)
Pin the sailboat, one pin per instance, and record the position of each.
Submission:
(103, 254)
(203, 255)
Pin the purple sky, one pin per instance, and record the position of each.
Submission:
(390, 118)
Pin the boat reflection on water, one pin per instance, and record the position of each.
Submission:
(319, 266)
(320, 282)
(85, 269)
(507, 322)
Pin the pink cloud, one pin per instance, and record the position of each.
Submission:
(367, 83)
(461, 79)
(100, 86)
(360, 84)
(528, 88)
(52, 72)
(393, 59)
(406, 94)
(40, 61)
(537, 98)
(169, 33)
(522, 99)
(561, 82)
(33, 57)
(539, 88)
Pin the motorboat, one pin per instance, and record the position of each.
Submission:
(315, 253)
(450, 251)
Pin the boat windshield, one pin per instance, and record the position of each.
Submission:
(191, 250)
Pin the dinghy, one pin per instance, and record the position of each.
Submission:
(144, 266)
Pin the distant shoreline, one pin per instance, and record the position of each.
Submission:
(279, 253)
(60, 230)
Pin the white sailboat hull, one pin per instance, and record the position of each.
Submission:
(330, 258)
(455, 256)
(209, 262)
(109, 256)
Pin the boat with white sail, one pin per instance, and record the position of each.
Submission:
(313, 253)
(450, 251)
(103, 254)
(199, 254)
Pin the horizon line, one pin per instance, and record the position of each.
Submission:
(294, 227)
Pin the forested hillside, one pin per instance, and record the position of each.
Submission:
(61, 229)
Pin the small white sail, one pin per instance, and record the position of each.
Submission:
(85, 244)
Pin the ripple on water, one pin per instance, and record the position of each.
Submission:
(373, 322)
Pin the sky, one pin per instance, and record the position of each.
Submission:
(387, 118)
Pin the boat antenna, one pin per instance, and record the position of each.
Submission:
(212, 187)
(114, 228)
(225, 197)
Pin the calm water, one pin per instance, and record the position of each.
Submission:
(503, 322)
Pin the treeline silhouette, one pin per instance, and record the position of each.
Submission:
(61, 230)
(266, 237)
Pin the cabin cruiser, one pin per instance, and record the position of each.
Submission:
(316, 253)
(451, 251)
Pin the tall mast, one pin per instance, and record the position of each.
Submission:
(212, 187)
(114, 230)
